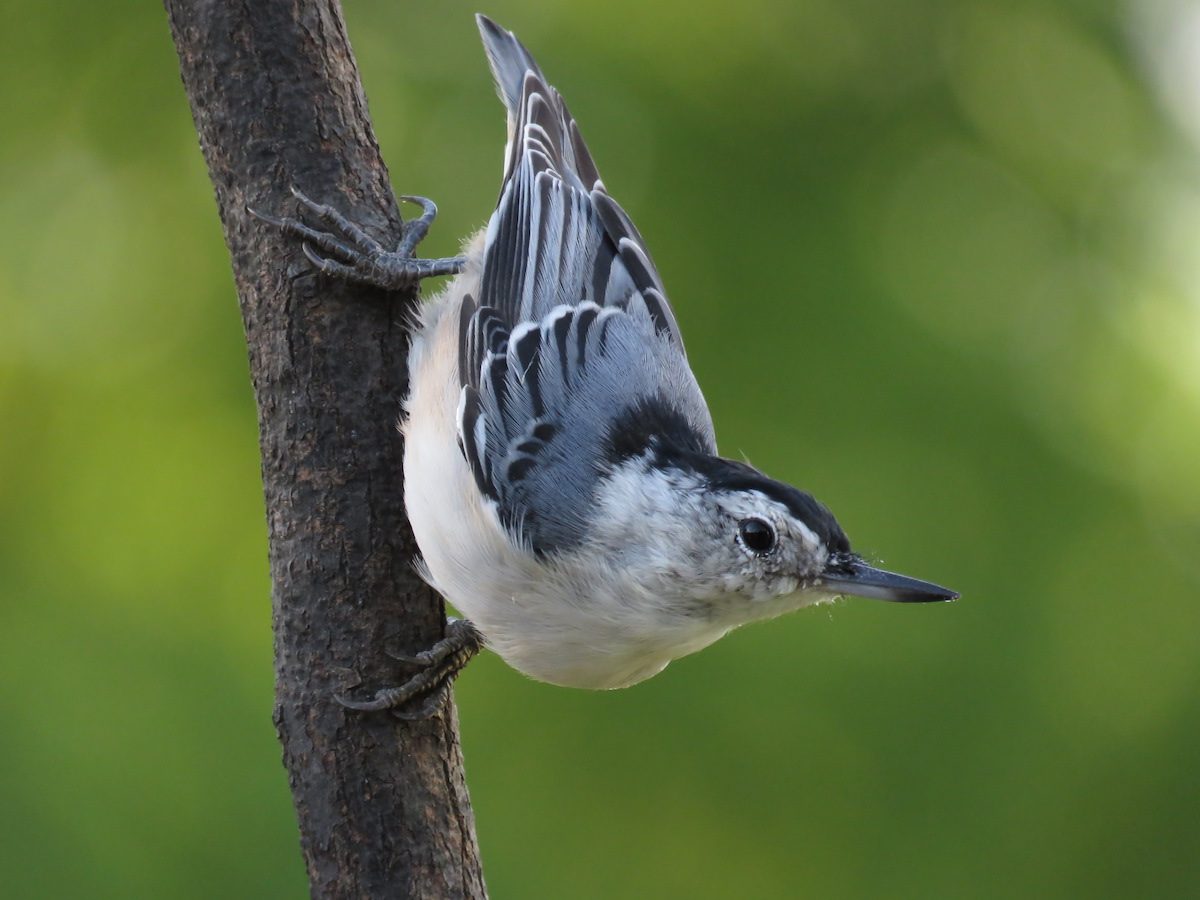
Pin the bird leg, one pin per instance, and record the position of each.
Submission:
(354, 255)
(438, 666)
(348, 252)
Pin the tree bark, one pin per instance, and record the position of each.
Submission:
(275, 95)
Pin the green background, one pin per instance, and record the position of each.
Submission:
(938, 263)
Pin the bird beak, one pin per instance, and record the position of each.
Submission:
(854, 577)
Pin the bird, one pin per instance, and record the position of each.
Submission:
(561, 472)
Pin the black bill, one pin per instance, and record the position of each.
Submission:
(856, 578)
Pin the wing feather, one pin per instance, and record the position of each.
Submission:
(572, 324)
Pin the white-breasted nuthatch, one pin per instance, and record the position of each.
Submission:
(561, 469)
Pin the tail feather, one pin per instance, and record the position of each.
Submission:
(556, 235)
(509, 61)
(532, 101)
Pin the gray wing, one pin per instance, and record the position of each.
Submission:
(558, 403)
(571, 346)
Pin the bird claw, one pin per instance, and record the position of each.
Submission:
(419, 660)
(433, 705)
(439, 665)
(353, 255)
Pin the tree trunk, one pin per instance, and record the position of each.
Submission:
(382, 804)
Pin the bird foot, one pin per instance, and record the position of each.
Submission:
(354, 255)
(431, 685)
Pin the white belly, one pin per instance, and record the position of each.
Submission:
(548, 621)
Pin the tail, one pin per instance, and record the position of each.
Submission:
(556, 235)
(538, 119)
(509, 61)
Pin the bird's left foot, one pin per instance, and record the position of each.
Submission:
(431, 685)
(354, 255)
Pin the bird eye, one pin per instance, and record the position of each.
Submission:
(757, 535)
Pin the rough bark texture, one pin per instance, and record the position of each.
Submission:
(382, 805)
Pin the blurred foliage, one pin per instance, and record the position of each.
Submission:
(936, 262)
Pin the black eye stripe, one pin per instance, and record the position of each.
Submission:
(757, 536)
(725, 476)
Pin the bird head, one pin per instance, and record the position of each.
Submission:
(720, 532)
